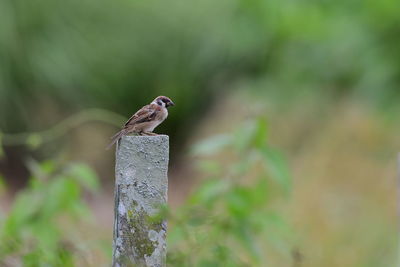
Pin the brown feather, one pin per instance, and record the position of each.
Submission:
(141, 119)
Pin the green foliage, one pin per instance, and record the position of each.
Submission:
(34, 231)
(2, 185)
(1, 146)
(118, 55)
(230, 220)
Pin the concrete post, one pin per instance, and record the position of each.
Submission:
(141, 185)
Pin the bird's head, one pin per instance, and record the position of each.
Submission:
(163, 101)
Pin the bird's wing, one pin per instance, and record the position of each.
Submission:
(146, 113)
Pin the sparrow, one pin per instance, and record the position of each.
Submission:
(146, 119)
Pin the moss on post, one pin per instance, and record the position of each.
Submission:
(140, 189)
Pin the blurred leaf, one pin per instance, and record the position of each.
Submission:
(209, 263)
(48, 166)
(243, 136)
(163, 212)
(84, 175)
(260, 133)
(198, 215)
(209, 191)
(62, 192)
(277, 166)
(210, 167)
(34, 141)
(33, 230)
(238, 202)
(212, 145)
(260, 192)
(248, 242)
(175, 235)
(253, 134)
(223, 253)
(41, 171)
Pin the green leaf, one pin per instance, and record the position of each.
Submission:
(239, 202)
(211, 145)
(209, 191)
(260, 192)
(34, 141)
(48, 166)
(276, 165)
(253, 134)
(243, 137)
(62, 193)
(247, 240)
(84, 175)
(33, 228)
(176, 235)
(210, 167)
(209, 263)
(261, 133)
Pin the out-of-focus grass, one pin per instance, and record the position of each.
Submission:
(231, 219)
(345, 197)
(343, 159)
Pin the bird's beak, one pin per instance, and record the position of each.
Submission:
(171, 104)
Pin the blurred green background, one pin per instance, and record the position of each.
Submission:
(283, 137)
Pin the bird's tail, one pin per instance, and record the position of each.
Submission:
(116, 137)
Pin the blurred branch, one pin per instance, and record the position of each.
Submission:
(39, 137)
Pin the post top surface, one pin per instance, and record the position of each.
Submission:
(160, 137)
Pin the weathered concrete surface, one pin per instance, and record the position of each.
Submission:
(140, 188)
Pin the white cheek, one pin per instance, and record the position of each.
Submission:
(156, 103)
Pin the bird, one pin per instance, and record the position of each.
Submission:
(146, 119)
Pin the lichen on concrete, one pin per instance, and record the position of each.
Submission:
(141, 188)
